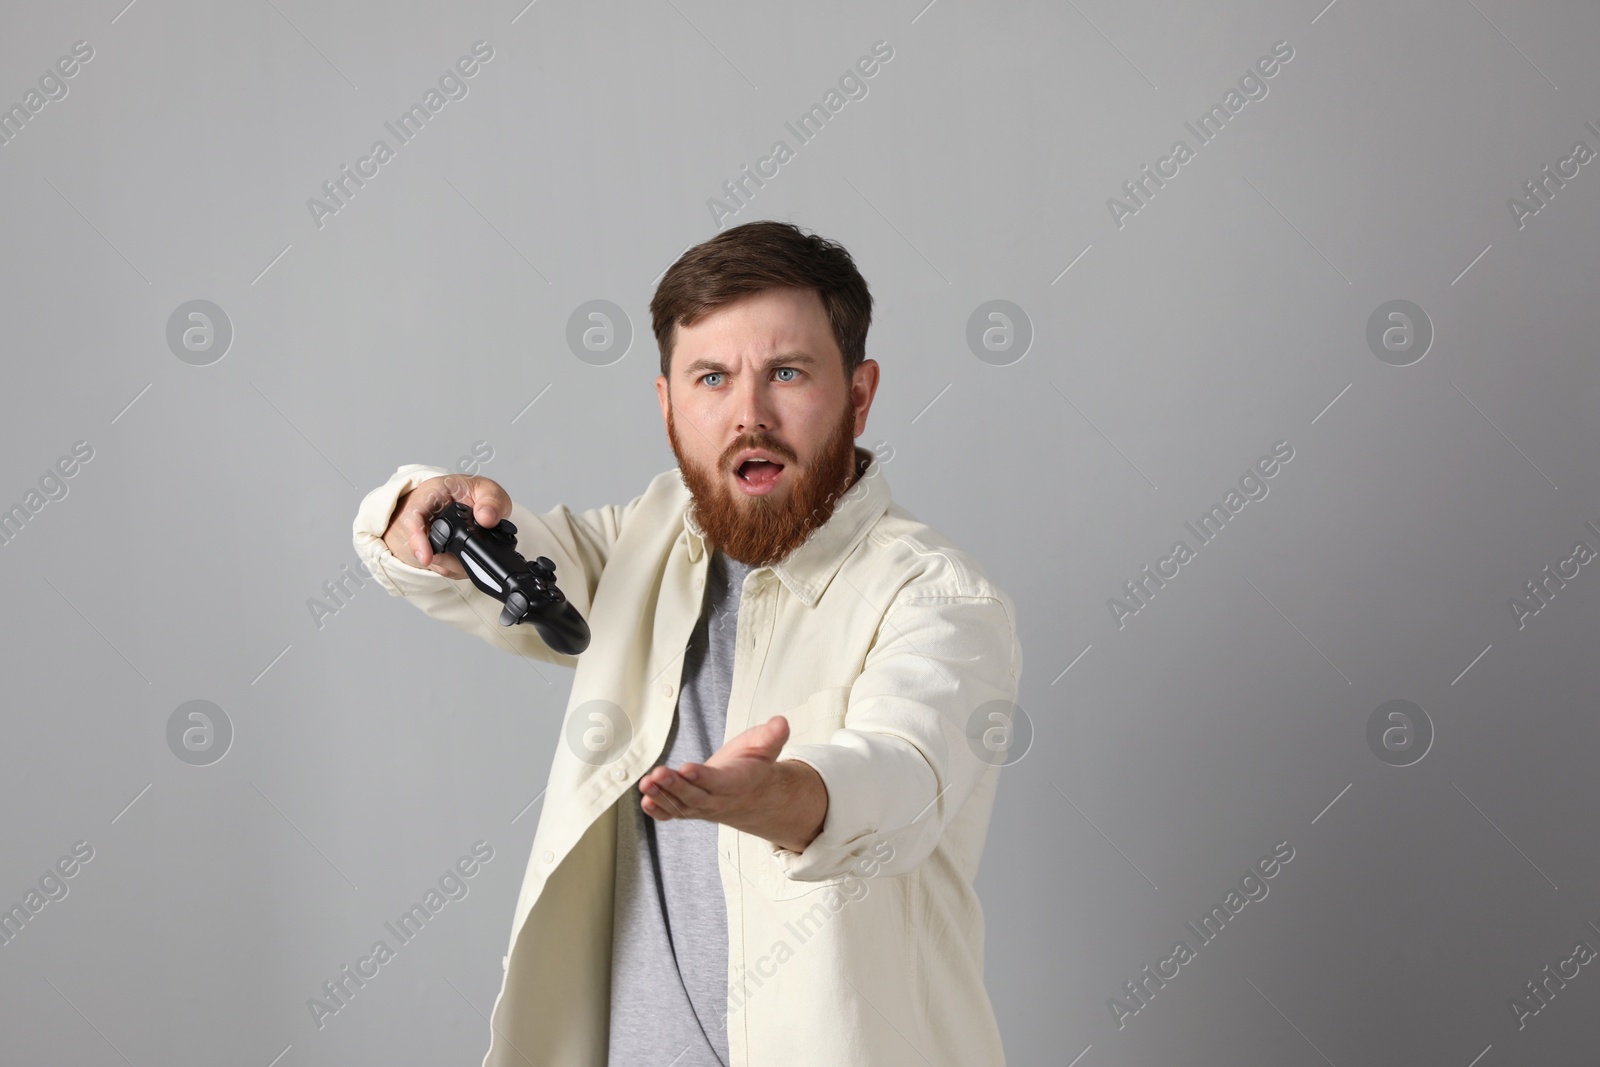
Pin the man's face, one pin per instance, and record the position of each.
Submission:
(764, 374)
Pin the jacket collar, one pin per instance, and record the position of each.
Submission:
(809, 568)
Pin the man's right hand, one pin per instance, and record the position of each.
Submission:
(407, 535)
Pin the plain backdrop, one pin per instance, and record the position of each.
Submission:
(1144, 358)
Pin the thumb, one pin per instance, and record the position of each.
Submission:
(775, 731)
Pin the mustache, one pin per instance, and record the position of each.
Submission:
(763, 442)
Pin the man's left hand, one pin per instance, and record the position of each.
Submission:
(747, 787)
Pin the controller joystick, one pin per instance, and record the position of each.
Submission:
(527, 589)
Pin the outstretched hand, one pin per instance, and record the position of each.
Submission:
(746, 786)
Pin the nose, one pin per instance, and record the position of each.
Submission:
(754, 406)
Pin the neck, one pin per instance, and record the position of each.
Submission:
(863, 459)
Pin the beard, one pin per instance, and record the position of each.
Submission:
(761, 530)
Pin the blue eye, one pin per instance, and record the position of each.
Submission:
(712, 374)
(782, 369)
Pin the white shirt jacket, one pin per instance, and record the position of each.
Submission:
(890, 653)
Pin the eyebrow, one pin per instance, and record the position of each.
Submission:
(792, 359)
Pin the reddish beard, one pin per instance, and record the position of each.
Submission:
(761, 530)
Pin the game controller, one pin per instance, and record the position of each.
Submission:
(528, 590)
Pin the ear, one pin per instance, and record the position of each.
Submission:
(666, 400)
(863, 387)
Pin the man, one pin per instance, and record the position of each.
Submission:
(762, 823)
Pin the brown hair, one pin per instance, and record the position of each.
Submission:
(755, 257)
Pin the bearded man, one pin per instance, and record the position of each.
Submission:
(770, 797)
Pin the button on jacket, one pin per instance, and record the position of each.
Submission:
(890, 653)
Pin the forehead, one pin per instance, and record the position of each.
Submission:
(763, 324)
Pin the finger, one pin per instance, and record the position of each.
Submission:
(420, 505)
(663, 805)
(446, 565)
(777, 731)
(435, 495)
(763, 740)
(490, 502)
(686, 792)
(429, 498)
(658, 788)
(656, 809)
(487, 500)
(708, 780)
(656, 776)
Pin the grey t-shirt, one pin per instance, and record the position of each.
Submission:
(669, 955)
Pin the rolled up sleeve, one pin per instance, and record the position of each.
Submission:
(372, 522)
(579, 545)
(902, 766)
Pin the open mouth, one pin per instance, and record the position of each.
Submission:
(758, 473)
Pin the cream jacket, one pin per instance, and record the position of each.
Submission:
(892, 656)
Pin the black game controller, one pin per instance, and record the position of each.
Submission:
(528, 590)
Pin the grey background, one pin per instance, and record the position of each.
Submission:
(1230, 313)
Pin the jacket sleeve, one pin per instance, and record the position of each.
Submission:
(579, 545)
(903, 765)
